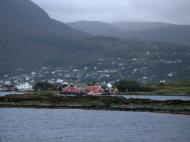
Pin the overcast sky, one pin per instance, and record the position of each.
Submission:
(173, 11)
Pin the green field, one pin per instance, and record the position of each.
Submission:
(178, 87)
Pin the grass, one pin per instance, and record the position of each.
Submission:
(175, 90)
(178, 87)
(50, 100)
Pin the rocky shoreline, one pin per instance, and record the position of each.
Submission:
(111, 103)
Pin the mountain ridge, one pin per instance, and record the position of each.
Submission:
(135, 26)
(164, 32)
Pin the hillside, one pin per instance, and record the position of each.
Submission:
(156, 31)
(96, 28)
(143, 30)
(30, 39)
(22, 24)
(175, 33)
(134, 26)
(20, 17)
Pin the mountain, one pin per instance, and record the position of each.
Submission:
(30, 39)
(22, 26)
(96, 28)
(134, 26)
(20, 17)
(156, 31)
(174, 33)
(143, 30)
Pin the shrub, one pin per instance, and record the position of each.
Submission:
(44, 86)
(127, 85)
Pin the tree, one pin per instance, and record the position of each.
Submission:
(92, 83)
(44, 86)
(125, 85)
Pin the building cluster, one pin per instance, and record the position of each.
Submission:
(109, 69)
(8, 86)
(135, 67)
(67, 88)
(94, 90)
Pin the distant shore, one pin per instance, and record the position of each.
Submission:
(114, 103)
(155, 93)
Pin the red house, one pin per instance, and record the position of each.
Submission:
(93, 90)
(71, 89)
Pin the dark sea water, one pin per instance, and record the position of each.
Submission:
(61, 125)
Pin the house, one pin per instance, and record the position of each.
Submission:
(110, 90)
(24, 87)
(93, 90)
(59, 81)
(8, 88)
(63, 85)
(71, 89)
(114, 91)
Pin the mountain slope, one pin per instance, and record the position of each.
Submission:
(96, 28)
(175, 34)
(22, 23)
(25, 17)
(134, 26)
(151, 31)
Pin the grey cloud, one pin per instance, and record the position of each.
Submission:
(174, 11)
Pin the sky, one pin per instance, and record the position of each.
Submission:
(170, 11)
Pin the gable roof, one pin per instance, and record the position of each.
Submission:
(71, 89)
(93, 88)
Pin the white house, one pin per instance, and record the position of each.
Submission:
(24, 87)
(109, 85)
(59, 81)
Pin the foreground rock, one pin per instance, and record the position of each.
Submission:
(95, 102)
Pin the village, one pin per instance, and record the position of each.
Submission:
(63, 87)
(89, 89)
(103, 70)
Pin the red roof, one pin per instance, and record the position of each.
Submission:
(94, 89)
(71, 90)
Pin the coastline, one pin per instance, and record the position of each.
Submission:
(155, 93)
(152, 110)
(111, 103)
